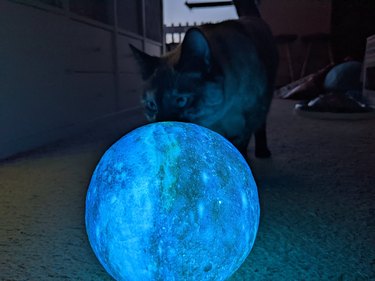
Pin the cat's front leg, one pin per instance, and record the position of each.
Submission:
(261, 147)
(243, 150)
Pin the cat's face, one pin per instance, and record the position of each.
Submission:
(187, 90)
(171, 95)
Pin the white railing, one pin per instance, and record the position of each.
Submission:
(174, 34)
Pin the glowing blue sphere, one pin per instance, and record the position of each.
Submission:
(172, 201)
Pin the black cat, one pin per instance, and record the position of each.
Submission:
(221, 77)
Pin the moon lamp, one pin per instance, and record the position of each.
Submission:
(172, 201)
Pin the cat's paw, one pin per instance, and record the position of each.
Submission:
(262, 153)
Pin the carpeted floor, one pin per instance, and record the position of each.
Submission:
(317, 196)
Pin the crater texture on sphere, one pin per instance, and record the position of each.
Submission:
(172, 201)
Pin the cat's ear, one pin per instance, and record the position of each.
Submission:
(195, 53)
(147, 63)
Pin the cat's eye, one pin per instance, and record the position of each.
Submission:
(181, 101)
(151, 105)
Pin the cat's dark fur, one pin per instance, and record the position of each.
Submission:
(221, 77)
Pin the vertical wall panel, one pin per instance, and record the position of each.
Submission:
(153, 12)
(126, 59)
(88, 48)
(129, 15)
(90, 95)
(32, 56)
(130, 90)
(130, 84)
(100, 10)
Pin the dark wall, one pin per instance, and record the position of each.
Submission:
(352, 22)
(129, 15)
(153, 23)
(69, 67)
